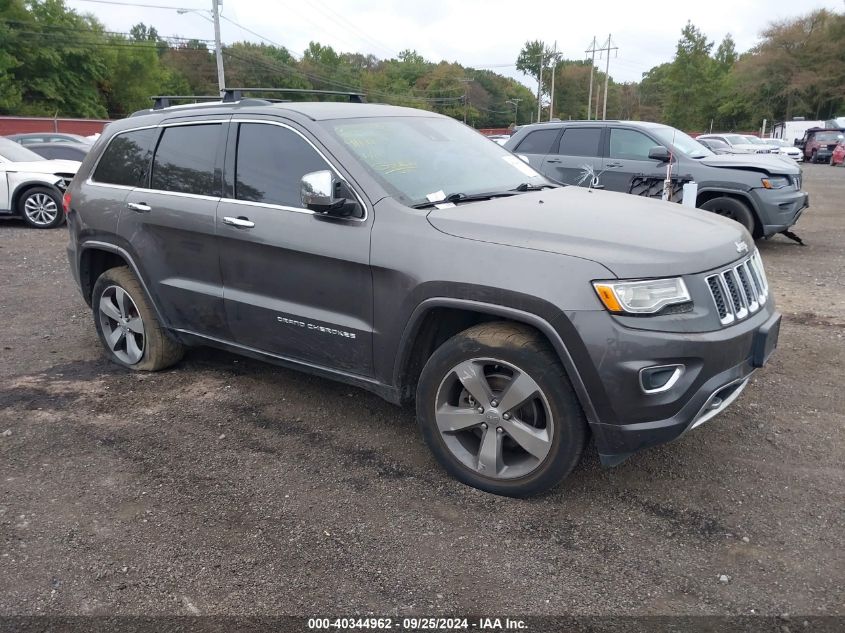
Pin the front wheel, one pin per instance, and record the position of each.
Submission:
(733, 209)
(41, 208)
(497, 409)
(127, 325)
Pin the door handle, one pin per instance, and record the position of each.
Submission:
(553, 160)
(139, 207)
(241, 222)
(614, 165)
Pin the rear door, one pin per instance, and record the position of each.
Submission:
(576, 157)
(169, 225)
(627, 157)
(297, 284)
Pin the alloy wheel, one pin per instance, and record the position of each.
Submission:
(41, 209)
(122, 326)
(494, 418)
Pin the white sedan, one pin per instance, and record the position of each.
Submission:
(787, 149)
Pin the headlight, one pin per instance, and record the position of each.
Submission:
(775, 182)
(641, 297)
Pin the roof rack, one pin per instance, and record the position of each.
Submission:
(231, 95)
(165, 101)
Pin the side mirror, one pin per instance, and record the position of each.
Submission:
(658, 152)
(322, 192)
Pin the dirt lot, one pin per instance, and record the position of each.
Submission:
(227, 486)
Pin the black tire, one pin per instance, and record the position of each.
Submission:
(525, 349)
(33, 197)
(159, 351)
(734, 209)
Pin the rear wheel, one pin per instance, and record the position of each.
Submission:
(733, 209)
(497, 410)
(41, 208)
(127, 325)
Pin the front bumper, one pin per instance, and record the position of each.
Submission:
(779, 209)
(717, 367)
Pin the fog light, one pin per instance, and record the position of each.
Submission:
(660, 378)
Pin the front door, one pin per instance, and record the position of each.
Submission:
(576, 158)
(296, 284)
(627, 157)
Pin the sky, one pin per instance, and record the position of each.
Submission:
(476, 33)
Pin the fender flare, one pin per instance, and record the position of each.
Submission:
(513, 314)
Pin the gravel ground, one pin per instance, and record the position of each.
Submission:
(228, 486)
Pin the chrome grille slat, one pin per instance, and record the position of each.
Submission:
(739, 290)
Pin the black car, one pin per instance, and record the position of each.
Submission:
(62, 151)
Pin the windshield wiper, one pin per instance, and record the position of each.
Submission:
(456, 198)
(527, 186)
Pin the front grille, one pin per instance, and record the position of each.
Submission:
(740, 290)
(797, 181)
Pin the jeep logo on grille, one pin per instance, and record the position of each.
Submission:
(741, 246)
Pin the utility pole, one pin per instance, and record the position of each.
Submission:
(607, 48)
(592, 50)
(552, 94)
(218, 47)
(515, 103)
(466, 81)
(540, 81)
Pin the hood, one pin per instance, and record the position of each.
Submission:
(768, 163)
(630, 235)
(43, 166)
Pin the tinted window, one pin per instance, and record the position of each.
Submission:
(271, 161)
(126, 160)
(629, 144)
(538, 142)
(580, 141)
(65, 152)
(185, 159)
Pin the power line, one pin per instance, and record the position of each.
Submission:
(139, 4)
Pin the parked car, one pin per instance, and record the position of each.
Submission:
(738, 143)
(404, 253)
(715, 145)
(47, 137)
(838, 155)
(32, 186)
(818, 144)
(786, 149)
(62, 151)
(763, 193)
(756, 140)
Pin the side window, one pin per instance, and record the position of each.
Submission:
(270, 163)
(126, 160)
(580, 141)
(185, 159)
(538, 142)
(629, 144)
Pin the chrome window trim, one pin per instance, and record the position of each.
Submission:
(178, 194)
(331, 165)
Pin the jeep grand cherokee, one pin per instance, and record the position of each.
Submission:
(402, 252)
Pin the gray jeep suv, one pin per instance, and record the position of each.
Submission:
(761, 192)
(400, 251)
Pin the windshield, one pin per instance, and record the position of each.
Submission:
(683, 143)
(422, 159)
(736, 139)
(828, 137)
(15, 153)
(754, 140)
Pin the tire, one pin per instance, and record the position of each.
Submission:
(515, 361)
(813, 158)
(734, 209)
(41, 208)
(123, 314)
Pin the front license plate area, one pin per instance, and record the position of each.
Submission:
(765, 341)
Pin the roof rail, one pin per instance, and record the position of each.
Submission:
(231, 95)
(165, 101)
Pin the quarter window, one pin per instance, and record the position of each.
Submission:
(271, 161)
(580, 141)
(538, 142)
(629, 144)
(185, 159)
(126, 160)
